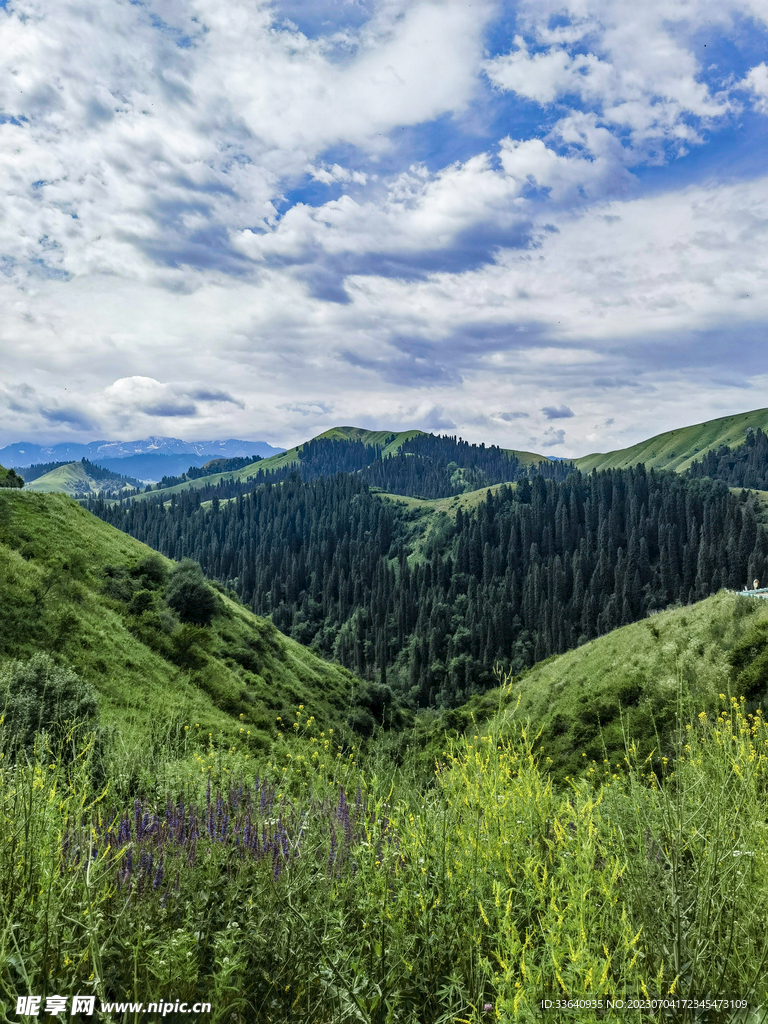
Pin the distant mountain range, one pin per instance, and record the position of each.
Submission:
(151, 458)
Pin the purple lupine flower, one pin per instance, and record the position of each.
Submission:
(158, 874)
(332, 853)
(342, 804)
(137, 818)
(277, 864)
(282, 838)
(347, 824)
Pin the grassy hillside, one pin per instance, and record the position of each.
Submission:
(630, 680)
(677, 449)
(69, 586)
(71, 479)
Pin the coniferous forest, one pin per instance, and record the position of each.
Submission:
(429, 601)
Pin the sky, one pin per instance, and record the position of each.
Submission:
(540, 224)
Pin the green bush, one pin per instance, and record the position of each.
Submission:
(189, 595)
(152, 571)
(190, 644)
(117, 583)
(41, 696)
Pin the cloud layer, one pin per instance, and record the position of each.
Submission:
(249, 219)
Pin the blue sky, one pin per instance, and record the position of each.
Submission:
(539, 224)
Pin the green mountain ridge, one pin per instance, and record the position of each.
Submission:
(674, 449)
(677, 449)
(390, 440)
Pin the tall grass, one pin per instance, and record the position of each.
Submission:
(318, 889)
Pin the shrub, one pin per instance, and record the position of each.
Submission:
(43, 696)
(189, 645)
(189, 595)
(151, 570)
(140, 602)
(117, 583)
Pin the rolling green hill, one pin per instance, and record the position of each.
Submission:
(70, 479)
(628, 682)
(390, 441)
(677, 449)
(68, 586)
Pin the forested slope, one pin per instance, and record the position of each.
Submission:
(410, 462)
(9, 478)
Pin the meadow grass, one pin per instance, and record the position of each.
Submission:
(315, 887)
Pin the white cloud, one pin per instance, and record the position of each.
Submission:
(545, 76)
(329, 174)
(633, 64)
(141, 164)
(756, 80)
